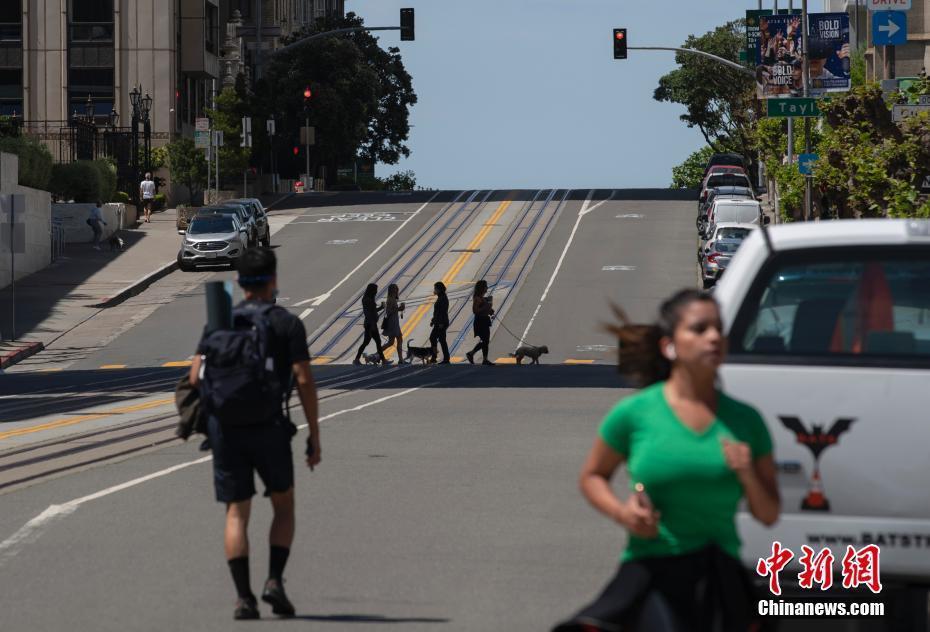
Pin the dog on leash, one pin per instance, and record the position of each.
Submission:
(529, 351)
(420, 353)
(115, 242)
(372, 358)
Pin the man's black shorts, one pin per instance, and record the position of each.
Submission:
(238, 452)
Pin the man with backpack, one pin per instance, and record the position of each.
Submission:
(244, 375)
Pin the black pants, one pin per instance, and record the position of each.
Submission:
(438, 336)
(371, 333)
(684, 593)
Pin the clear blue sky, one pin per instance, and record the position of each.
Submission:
(526, 93)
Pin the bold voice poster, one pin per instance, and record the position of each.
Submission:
(779, 55)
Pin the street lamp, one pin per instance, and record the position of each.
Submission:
(146, 102)
(134, 95)
(114, 118)
(146, 106)
(89, 108)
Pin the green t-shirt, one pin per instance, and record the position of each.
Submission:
(684, 472)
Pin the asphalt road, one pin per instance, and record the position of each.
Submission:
(447, 496)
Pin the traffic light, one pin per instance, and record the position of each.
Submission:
(296, 150)
(307, 94)
(406, 25)
(619, 43)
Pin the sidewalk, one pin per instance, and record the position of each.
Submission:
(85, 281)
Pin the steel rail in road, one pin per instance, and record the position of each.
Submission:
(136, 431)
(509, 262)
(420, 270)
(694, 51)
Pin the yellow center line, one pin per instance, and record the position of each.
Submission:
(579, 361)
(453, 272)
(113, 366)
(62, 423)
(178, 364)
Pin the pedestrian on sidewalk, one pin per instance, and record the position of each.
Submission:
(96, 223)
(370, 310)
(393, 309)
(248, 429)
(481, 308)
(692, 454)
(147, 193)
(440, 323)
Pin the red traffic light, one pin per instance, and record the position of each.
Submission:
(620, 35)
(296, 150)
(307, 93)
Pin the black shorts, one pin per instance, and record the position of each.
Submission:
(239, 452)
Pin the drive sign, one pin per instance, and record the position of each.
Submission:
(889, 5)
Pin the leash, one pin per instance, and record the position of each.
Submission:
(515, 336)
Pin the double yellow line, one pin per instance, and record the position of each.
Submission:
(62, 423)
(454, 270)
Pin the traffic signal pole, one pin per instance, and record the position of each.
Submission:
(806, 72)
(694, 51)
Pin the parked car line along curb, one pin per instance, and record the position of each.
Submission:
(9, 359)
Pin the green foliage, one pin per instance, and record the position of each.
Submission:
(187, 166)
(159, 201)
(690, 173)
(35, 161)
(401, 181)
(120, 197)
(78, 181)
(227, 117)
(857, 68)
(720, 101)
(106, 175)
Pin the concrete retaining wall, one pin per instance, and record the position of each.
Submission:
(74, 220)
(38, 220)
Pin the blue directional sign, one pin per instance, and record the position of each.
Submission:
(889, 28)
(806, 163)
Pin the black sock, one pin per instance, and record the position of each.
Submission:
(277, 562)
(239, 567)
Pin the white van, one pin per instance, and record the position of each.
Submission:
(829, 331)
(735, 211)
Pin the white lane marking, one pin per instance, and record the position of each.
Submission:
(32, 530)
(630, 216)
(585, 209)
(341, 242)
(316, 301)
(306, 313)
(617, 268)
(319, 299)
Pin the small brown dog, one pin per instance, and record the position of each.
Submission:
(529, 351)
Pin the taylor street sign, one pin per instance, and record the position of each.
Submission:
(889, 5)
(804, 107)
(901, 112)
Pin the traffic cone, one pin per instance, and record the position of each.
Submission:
(815, 499)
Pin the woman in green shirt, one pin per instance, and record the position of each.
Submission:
(692, 453)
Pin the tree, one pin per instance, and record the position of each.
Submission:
(360, 104)
(720, 101)
(231, 106)
(188, 166)
(690, 173)
(401, 181)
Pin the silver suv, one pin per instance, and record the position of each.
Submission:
(260, 216)
(213, 240)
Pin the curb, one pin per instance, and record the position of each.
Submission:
(276, 202)
(138, 286)
(20, 354)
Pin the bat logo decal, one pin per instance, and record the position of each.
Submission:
(816, 440)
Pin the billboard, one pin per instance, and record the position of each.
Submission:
(779, 55)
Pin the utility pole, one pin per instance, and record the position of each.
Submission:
(806, 76)
(790, 118)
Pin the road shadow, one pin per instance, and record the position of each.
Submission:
(32, 395)
(362, 618)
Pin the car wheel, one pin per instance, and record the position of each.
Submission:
(184, 266)
(266, 242)
(707, 283)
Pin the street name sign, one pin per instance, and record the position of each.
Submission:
(902, 112)
(889, 28)
(202, 125)
(889, 5)
(804, 107)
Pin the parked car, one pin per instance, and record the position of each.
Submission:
(716, 257)
(721, 170)
(261, 219)
(725, 231)
(829, 338)
(213, 239)
(725, 180)
(730, 193)
(724, 159)
(241, 211)
(739, 211)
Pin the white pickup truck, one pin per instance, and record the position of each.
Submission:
(829, 330)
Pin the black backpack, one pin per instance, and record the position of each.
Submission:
(239, 385)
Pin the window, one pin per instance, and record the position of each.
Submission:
(845, 306)
(211, 34)
(11, 12)
(90, 10)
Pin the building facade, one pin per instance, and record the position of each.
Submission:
(59, 58)
(910, 59)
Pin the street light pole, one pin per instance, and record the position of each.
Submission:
(307, 141)
(806, 72)
(790, 118)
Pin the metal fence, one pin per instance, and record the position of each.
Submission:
(57, 234)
